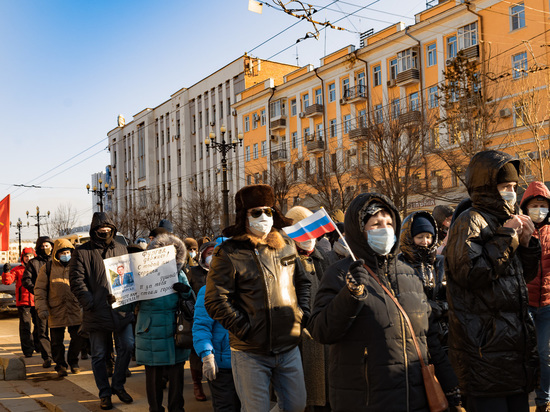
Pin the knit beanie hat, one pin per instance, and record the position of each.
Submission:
(165, 223)
(508, 173)
(298, 213)
(421, 225)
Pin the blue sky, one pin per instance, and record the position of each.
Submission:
(70, 67)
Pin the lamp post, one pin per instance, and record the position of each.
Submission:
(102, 191)
(19, 225)
(223, 148)
(37, 217)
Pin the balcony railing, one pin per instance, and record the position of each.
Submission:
(316, 145)
(412, 116)
(278, 155)
(359, 133)
(355, 93)
(408, 77)
(314, 110)
(278, 124)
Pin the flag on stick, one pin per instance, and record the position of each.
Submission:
(5, 224)
(311, 227)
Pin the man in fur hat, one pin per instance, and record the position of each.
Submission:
(257, 289)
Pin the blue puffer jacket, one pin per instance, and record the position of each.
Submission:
(155, 328)
(209, 336)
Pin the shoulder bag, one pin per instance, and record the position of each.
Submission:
(184, 321)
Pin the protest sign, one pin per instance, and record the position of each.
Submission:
(145, 275)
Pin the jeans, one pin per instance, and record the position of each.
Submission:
(125, 346)
(253, 373)
(541, 317)
(58, 347)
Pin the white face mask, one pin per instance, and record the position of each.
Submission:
(260, 226)
(192, 254)
(307, 245)
(340, 248)
(538, 214)
(208, 260)
(509, 197)
(381, 240)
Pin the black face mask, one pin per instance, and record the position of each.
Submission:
(103, 235)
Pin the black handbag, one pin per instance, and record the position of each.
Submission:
(184, 322)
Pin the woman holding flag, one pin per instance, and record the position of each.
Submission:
(374, 364)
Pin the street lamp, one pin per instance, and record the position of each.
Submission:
(37, 217)
(19, 225)
(102, 191)
(223, 148)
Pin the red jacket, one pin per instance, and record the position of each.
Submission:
(539, 288)
(22, 296)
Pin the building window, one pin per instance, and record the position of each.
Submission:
(332, 125)
(467, 36)
(406, 60)
(295, 169)
(519, 65)
(432, 54)
(377, 75)
(221, 109)
(432, 97)
(361, 79)
(262, 117)
(248, 179)
(306, 135)
(200, 120)
(277, 109)
(347, 123)
(395, 108)
(264, 148)
(332, 92)
(246, 124)
(378, 115)
(334, 162)
(318, 96)
(228, 106)
(306, 101)
(451, 47)
(255, 119)
(247, 152)
(141, 150)
(179, 157)
(294, 140)
(293, 107)
(393, 69)
(413, 102)
(517, 16)
(319, 130)
(520, 114)
(255, 151)
(345, 87)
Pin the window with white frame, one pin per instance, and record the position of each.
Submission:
(332, 126)
(362, 118)
(347, 123)
(319, 130)
(262, 117)
(377, 75)
(393, 69)
(318, 96)
(519, 65)
(451, 47)
(361, 79)
(378, 114)
(517, 16)
(332, 92)
(246, 124)
(306, 100)
(431, 54)
(407, 59)
(306, 135)
(255, 151)
(294, 140)
(414, 102)
(293, 109)
(432, 97)
(467, 36)
(345, 86)
(247, 152)
(255, 119)
(264, 148)
(277, 108)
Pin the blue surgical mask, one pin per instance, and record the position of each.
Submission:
(381, 241)
(65, 258)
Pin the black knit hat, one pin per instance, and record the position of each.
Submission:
(508, 173)
(421, 225)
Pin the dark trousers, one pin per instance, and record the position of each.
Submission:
(224, 394)
(154, 386)
(512, 403)
(44, 338)
(58, 347)
(28, 337)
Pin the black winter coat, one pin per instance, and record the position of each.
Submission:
(374, 365)
(492, 341)
(89, 281)
(33, 267)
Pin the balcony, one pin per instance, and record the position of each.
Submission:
(408, 77)
(315, 145)
(279, 155)
(413, 116)
(314, 110)
(355, 94)
(359, 133)
(471, 52)
(278, 124)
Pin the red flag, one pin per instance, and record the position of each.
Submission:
(5, 224)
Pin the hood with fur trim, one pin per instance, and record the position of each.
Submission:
(166, 239)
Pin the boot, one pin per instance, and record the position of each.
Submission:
(197, 385)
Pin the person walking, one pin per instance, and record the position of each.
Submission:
(374, 363)
(155, 330)
(535, 204)
(490, 255)
(58, 305)
(257, 289)
(44, 247)
(24, 300)
(90, 285)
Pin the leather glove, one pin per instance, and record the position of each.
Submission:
(181, 287)
(7, 267)
(209, 367)
(359, 273)
(111, 299)
(43, 315)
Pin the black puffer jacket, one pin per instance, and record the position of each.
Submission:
(374, 365)
(492, 341)
(33, 267)
(259, 292)
(89, 281)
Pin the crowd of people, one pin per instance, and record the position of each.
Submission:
(340, 322)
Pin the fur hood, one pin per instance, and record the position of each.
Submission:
(166, 239)
(274, 239)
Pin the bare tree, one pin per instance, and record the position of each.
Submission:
(63, 220)
(199, 216)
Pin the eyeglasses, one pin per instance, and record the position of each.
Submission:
(255, 213)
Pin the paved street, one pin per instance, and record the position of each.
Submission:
(45, 384)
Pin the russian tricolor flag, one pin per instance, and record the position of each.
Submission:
(311, 227)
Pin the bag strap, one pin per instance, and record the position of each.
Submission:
(48, 274)
(407, 320)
